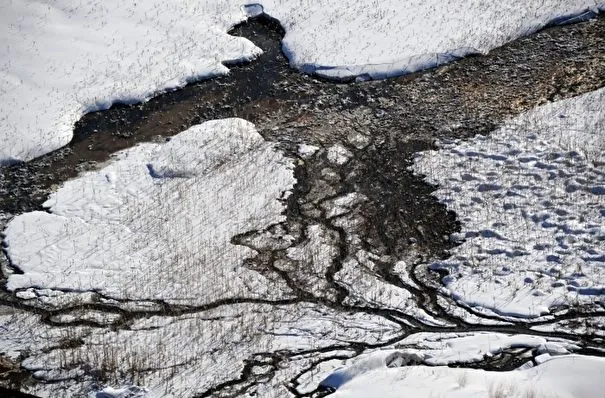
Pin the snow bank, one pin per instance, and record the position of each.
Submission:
(379, 39)
(531, 199)
(444, 349)
(157, 222)
(567, 376)
(62, 59)
(126, 392)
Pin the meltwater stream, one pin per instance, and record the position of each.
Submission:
(379, 125)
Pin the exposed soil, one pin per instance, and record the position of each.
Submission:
(382, 123)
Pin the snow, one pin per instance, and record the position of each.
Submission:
(359, 275)
(342, 204)
(438, 349)
(350, 38)
(593, 325)
(306, 151)
(23, 332)
(531, 199)
(187, 355)
(148, 227)
(388, 370)
(157, 222)
(312, 259)
(126, 392)
(338, 154)
(474, 347)
(567, 376)
(63, 59)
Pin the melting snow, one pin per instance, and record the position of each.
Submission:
(157, 222)
(65, 58)
(531, 200)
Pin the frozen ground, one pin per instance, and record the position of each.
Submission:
(67, 58)
(157, 222)
(531, 199)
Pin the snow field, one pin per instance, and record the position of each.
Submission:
(562, 377)
(63, 59)
(380, 39)
(157, 222)
(531, 199)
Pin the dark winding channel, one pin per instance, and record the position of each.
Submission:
(397, 116)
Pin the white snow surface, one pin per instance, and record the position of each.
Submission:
(531, 199)
(62, 59)
(157, 222)
(571, 376)
(126, 392)
(379, 39)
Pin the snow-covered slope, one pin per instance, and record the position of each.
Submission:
(157, 223)
(531, 199)
(61, 59)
